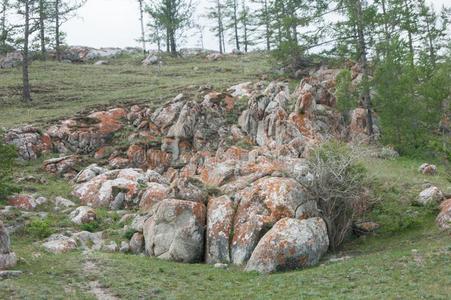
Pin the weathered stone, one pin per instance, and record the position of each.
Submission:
(8, 259)
(111, 247)
(220, 213)
(154, 193)
(430, 196)
(444, 217)
(87, 134)
(89, 173)
(29, 141)
(176, 231)
(82, 215)
(58, 244)
(89, 240)
(290, 244)
(152, 59)
(189, 189)
(102, 189)
(125, 247)
(26, 202)
(61, 202)
(427, 169)
(137, 243)
(64, 166)
(260, 206)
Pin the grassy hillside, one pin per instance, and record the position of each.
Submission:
(408, 258)
(60, 89)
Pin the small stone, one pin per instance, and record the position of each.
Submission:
(10, 274)
(110, 248)
(58, 243)
(61, 202)
(221, 266)
(430, 196)
(82, 215)
(125, 247)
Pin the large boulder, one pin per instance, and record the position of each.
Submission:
(29, 141)
(26, 202)
(261, 205)
(444, 217)
(85, 135)
(103, 189)
(58, 244)
(65, 166)
(220, 213)
(290, 244)
(8, 258)
(82, 215)
(176, 231)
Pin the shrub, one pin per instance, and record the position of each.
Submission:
(40, 228)
(91, 226)
(338, 187)
(8, 155)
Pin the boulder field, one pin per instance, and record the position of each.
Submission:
(210, 183)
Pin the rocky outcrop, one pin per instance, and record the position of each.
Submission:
(176, 231)
(290, 244)
(83, 54)
(84, 135)
(8, 258)
(29, 141)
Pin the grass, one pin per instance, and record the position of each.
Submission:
(61, 90)
(408, 258)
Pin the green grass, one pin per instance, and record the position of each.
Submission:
(61, 90)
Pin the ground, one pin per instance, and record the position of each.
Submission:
(408, 258)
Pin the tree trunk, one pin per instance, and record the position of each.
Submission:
(267, 26)
(364, 61)
(42, 17)
(220, 27)
(235, 24)
(143, 33)
(3, 32)
(26, 82)
(173, 43)
(57, 30)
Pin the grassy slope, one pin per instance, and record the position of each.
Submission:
(64, 89)
(382, 266)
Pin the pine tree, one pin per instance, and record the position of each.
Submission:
(216, 13)
(174, 16)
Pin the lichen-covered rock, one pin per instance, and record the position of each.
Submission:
(84, 135)
(64, 166)
(176, 231)
(444, 217)
(11, 60)
(102, 190)
(220, 213)
(261, 205)
(58, 244)
(82, 215)
(61, 202)
(8, 258)
(26, 202)
(154, 193)
(427, 169)
(29, 141)
(89, 173)
(290, 244)
(430, 196)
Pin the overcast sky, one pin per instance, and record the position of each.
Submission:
(115, 23)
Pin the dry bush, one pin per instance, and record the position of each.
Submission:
(338, 187)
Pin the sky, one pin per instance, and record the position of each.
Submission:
(115, 23)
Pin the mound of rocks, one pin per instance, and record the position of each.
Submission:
(85, 135)
(29, 141)
(8, 258)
